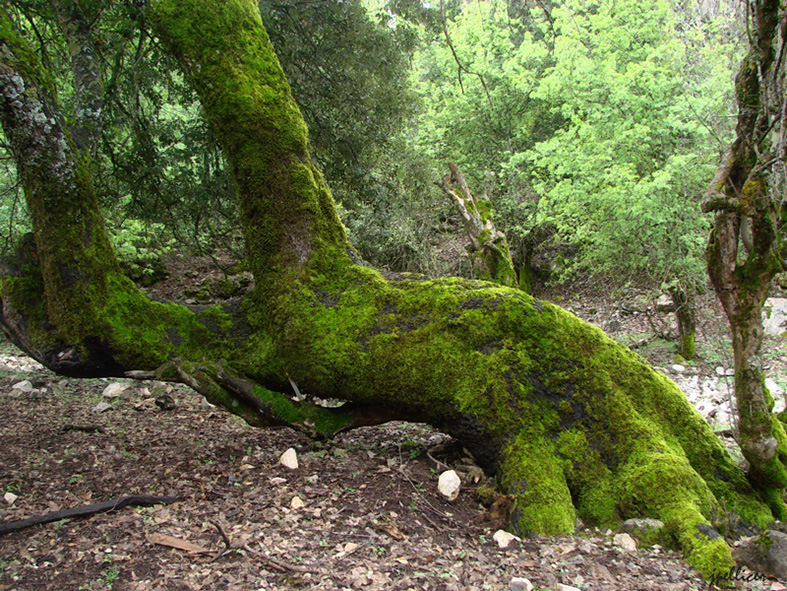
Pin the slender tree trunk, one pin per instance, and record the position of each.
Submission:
(687, 321)
(746, 248)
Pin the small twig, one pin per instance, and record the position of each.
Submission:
(225, 537)
(421, 496)
(438, 462)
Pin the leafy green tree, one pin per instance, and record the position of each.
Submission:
(623, 175)
(573, 424)
(477, 73)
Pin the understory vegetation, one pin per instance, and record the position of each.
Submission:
(594, 146)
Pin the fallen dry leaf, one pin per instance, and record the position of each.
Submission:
(172, 542)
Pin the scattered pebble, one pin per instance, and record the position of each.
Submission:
(504, 538)
(114, 390)
(24, 386)
(289, 459)
(625, 541)
(520, 584)
(101, 407)
(449, 485)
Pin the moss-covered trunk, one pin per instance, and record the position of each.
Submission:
(687, 321)
(746, 248)
(490, 256)
(572, 424)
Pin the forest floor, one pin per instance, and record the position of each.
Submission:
(367, 516)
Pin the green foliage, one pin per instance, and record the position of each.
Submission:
(623, 176)
(139, 246)
(600, 119)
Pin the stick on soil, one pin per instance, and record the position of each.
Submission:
(136, 500)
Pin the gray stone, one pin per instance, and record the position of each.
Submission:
(633, 526)
(764, 555)
(520, 584)
(101, 407)
(626, 542)
(23, 386)
(774, 317)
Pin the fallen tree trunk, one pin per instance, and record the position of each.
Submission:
(571, 423)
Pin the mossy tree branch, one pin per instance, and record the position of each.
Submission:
(490, 256)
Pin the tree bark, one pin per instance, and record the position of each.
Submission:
(490, 256)
(571, 423)
(746, 247)
(687, 321)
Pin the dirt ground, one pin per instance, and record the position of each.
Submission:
(367, 514)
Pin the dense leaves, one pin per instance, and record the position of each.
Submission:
(593, 125)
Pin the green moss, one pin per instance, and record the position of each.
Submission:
(288, 215)
(484, 207)
(323, 421)
(687, 346)
(533, 474)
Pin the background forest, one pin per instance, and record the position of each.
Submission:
(593, 128)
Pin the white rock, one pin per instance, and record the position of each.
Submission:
(625, 541)
(10, 498)
(24, 386)
(729, 372)
(678, 368)
(206, 404)
(779, 405)
(289, 459)
(101, 407)
(114, 390)
(504, 538)
(720, 371)
(775, 389)
(277, 480)
(520, 584)
(774, 316)
(562, 587)
(449, 485)
(297, 503)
